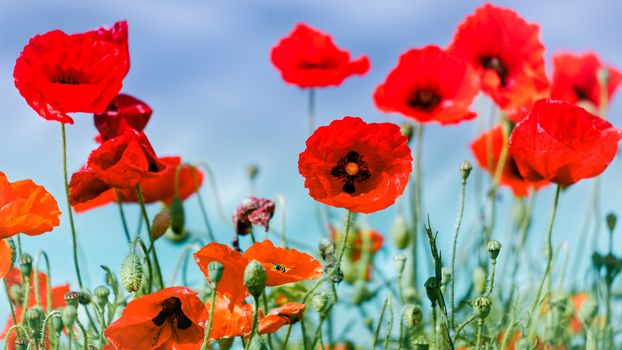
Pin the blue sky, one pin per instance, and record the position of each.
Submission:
(204, 68)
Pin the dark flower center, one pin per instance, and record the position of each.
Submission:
(424, 100)
(580, 93)
(67, 76)
(351, 169)
(171, 312)
(495, 63)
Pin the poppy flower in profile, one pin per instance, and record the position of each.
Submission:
(507, 52)
(26, 207)
(575, 78)
(309, 58)
(230, 320)
(562, 143)
(276, 318)
(429, 85)
(173, 318)
(360, 166)
(122, 162)
(6, 258)
(124, 111)
(253, 211)
(510, 176)
(59, 73)
(284, 265)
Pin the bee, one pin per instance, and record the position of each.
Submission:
(279, 268)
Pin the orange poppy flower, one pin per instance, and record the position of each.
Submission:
(282, 316)
(26, 207)
(284, 265)
(173, 318)
(577, 300)
(507, 52)
(230, 320)
(355, 165)
(5, 257)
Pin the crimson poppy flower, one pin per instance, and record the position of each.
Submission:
(124, 111)
(122, 162)
(355, 165)
(59, 73)
(284, 265)
(231, 285)
(26, 207)
(575, 78)
(230, 320)
(279, 317)
(173, 318)
(510, 176)
(309, 58)
(507, 52)
(253, 211)
(6, 254)
(429, 85)
(562, 143)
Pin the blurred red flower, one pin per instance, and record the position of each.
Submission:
(59, 73)
(355, 165)
(230, 320)
(6, 254)
(26, 207)
(510, 176)
(429, 85)
(173, 318)
(575, 78)
(275, 319)
(308, 58)
(507, 52)
(562, 143)
(123, 112)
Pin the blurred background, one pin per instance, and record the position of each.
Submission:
(204, 68)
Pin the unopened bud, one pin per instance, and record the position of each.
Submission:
(327, 248)
(611, 221)
(69, 315)
(34, 317)
(214, 269)
(481, 307)
(25, 264)
(493, 247)
(101, 296)
(407, 130)
(131, 273)
(320, 302)
(84, 298)
(72, 298)
(255, 278)
(465, 169)
(432, 286)
(252, 171)
(161, 223)
(57, 323)
(400, 262)
(412, 316)
(399, 232)
(178, 217)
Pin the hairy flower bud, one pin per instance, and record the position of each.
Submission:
(412, 316)
(400, 262)
(399, 232)
(493, 247)
(57, 323)
(101, 295)
(320, 302)
(34, 318)
(25, 264)
(481, 307)
(465, 169)
(161, 223)
(255, 278)
(69, 314)
(131, 273)
(178, 217)
(214, 269)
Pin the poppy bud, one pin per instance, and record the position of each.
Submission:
(84, 298)
(69, 315)
(21, 343)
(432, 288)
(71, 298)
(34, 317)
(465, 169)
(131, 273)
(481, 307)
(421, 343)
(493, 247)
(255, 278)
(611, 221)
(176, 238)
(252, 170)
(13, 250)
(407, 130)
(57, 323)
(17, 293)
(101, 296)
(319, 302)
(412, 316)
(161, 223)
(225, 343)
(597, 261)
(399, 232)
(360, 293)
(479, 279)
(214, 268)
(399, 261)
(25, 264)
(178, 218)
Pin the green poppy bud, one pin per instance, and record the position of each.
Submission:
(493, 247)
(252, 171)
(465, 169)
(25, 264)
(214, 269)
(101, 295)
(131, 273)
(69, 315)
(320, 302)
(255, 278)
(57, 323)
(432, 288)
(481, 307)
(611, 221)
(34, 318)
(407, 130)
(399, 232)
(84, 298)
(178, 218)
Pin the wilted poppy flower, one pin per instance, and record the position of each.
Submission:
(253, 211)
(123, 112)
(575, 78)
(562, 143)
(275, 319)
(510, 175)
(308, 58)
(507, 52)
(6, 255)
(122, 162)
(173, 318)
(284, 265)
(355, 165)
(59, 73)
(26, 207)
(429, 85)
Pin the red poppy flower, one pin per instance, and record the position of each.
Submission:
(562, 143)
(59, 73)
(284, 265)
(577, 300)
(230, 320)
(575, 78)
(510, 176)
(122, 162)
(279, 317)
(124, 111)
(507, 52)
(26, 207)
(6, 254)
(309, 58)
(231, 285)
(355, 165)
(429, 85)
(355, 242)
(173, 318)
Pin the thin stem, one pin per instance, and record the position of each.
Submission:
(143, 209)
(26, 288)
(478, 339)
(491, 279)
(254, 329)
(434, 324)
(217, 200)
(289, 332)
(387, 337)
(311, 111)
(85, 346)
(377, 332)
(208, 329)
(8, 295)
(74, 239)
(318, 332)
(416, 202)
(126, 230)
(208, 227)
(453, 251)
(464, 324)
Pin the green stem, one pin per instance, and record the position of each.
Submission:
(49, 280)
(85, 346)
(453, 251)
(45, 324)
(143, 209)
(289, 332)
(389, 326)
(491, 280)
(148, 261)
(254, 329)
(478, 339)
(26, 288)
(208, 227)
(126, 230)
(311, 111)
(377, 332)
(208, 329)
(416, 202)
(462, 325)
(8, 295)
(318, 332)
(74, 239)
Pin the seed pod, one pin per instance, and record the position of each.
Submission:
(25, 264)
(399, 232)
(481, 307)
(69, 315)
(161, 223)
(84, 298)
(493, 247)
(611, 221)
(178, 218)
(465, 169)
(255, 278)
(214, 269)
(407, 130)
(131, 273)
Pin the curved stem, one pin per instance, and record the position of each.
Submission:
(453, 251)
(44, 327)
(387, 337)
(462, 325)
(74, 239)
(208, 329)
(491, 280)
(377, 332)
(254, 329)
(143, 209)
(217, 200)
(49, 280)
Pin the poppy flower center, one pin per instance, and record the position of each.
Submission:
(172, 313)
(67, 76)
(351, 169)
(580, 93)
(424, 99)
(495, 63)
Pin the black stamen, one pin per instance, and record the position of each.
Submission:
(424, 99)
(340, 171)
(495, 63)
(172, 312)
